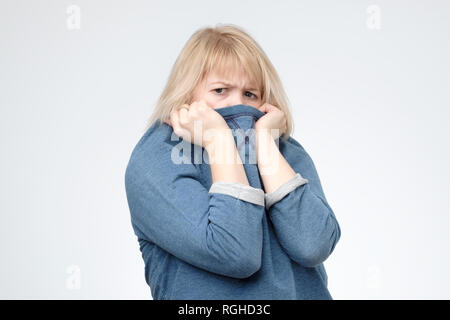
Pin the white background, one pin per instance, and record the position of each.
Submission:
(371, 106)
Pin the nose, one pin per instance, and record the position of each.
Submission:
(235, 98)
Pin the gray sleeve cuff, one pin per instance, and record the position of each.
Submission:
(239, 191)
(284, 189)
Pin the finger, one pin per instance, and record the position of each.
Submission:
(175, 123)
(178, 127)
(183, 116)
(204, 103)
(183, 106)
(267, 107)
(263, 108)
(270, 107)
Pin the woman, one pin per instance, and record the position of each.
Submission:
(256, 227)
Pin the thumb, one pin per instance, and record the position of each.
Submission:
(264, 108)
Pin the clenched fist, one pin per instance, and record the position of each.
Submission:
(274, 121)
(197, 123)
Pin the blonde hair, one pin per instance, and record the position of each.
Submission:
(220, 48)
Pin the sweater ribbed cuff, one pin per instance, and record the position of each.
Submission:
(289, 186)
(239, 191)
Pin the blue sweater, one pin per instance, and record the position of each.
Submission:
(227, 240)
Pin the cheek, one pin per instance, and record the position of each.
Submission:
(256, 103)
(212, 99)
(201, 95)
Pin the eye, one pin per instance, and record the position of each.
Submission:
(219, 89)
(252, 94)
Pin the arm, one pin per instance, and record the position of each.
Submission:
(218, 230)
(224, 159)
(304, 223)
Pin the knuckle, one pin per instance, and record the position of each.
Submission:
(184, 120)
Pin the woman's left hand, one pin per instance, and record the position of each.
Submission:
(273, 119)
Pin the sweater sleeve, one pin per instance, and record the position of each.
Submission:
(304, 222)
(217, 229)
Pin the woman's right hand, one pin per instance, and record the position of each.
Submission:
(197, 116)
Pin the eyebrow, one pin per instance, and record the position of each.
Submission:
(230, 85)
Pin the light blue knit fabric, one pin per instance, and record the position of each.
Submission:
(227, 240)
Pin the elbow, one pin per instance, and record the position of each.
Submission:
(312, 256)
(246, 266)
(309, 258)
(236, 260)
(309, 261)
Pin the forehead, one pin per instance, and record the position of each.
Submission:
(234, 77)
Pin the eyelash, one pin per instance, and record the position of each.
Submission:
(254, 95)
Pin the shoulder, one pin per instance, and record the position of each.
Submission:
(154, 144)
(156, 137)
(159, 153)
